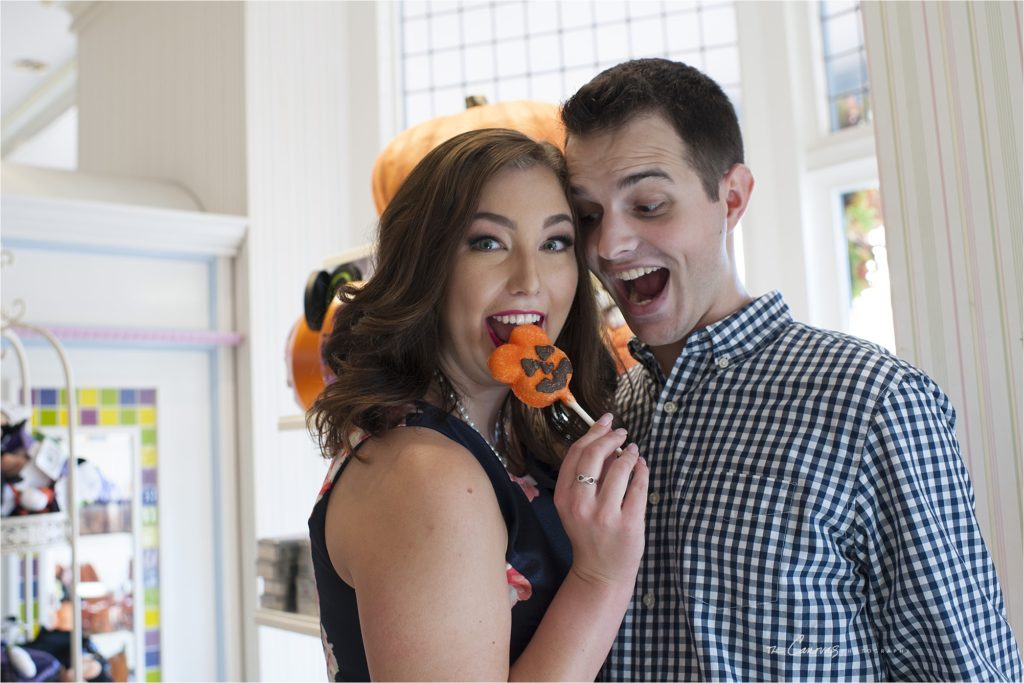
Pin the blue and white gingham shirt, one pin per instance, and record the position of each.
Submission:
(810, 516)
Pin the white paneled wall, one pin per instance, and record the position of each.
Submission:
(946, 83)
(160, 95)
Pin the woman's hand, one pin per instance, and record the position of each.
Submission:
(601, 497)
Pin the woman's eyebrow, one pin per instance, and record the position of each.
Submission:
(508, 223)
(556, 219)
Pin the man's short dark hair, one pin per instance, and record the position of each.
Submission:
(698, 109)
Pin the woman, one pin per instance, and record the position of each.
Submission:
(439, 510)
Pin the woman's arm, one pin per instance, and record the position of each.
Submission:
(429, 571)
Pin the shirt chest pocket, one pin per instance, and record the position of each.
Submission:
(734, 533)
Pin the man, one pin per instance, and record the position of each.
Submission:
(810, 516)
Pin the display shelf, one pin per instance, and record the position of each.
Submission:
(31, 533)
(288, 621)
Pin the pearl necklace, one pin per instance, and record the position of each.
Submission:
(464, 416)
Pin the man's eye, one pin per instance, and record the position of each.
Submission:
(589, 220)
(557, 244)
(484, 243)
(650, 208)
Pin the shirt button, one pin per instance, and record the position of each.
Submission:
(670, 407)
(654, 498)
(723, 362)
(648, 599)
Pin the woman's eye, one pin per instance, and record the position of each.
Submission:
(557, 244)
(484, 243)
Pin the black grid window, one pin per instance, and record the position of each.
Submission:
(846, 70)
(546, 49)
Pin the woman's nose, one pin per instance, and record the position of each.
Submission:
(525, 277)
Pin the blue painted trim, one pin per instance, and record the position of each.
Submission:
(218, 537)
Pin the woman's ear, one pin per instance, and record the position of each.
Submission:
(736, 188)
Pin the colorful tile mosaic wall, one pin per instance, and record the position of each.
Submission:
(111, 407)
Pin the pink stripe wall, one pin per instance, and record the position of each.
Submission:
(946, 81)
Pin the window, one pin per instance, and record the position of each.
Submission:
(546, 50)
(870, 300)
(846, 71)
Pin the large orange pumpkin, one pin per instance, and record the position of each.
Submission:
(539, 120)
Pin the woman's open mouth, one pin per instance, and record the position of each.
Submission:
(500, 325)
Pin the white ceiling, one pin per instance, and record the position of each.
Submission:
(37, 30)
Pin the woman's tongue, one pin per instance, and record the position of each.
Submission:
(499, 331)
(645, 288)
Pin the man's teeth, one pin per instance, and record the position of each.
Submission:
(519, 319)
(635, 273)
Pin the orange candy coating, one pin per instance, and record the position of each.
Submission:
(536, 369)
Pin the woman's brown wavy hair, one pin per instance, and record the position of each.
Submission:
(385, 344)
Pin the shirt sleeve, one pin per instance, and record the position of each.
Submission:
(934, 597)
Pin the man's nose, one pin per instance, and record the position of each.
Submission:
(615, 237)
(524, 278)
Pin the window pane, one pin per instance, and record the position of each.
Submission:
(612, 43)
(578, 48)
(479, 63)
(477, 26)
(844, 74)
(609, 12)
(645, 8)
(415, 36)
(544, 53)
(647, 37)
(445, 31)
(870, 301)
(511, 57)
(849, 110)
(508, 20)
(683, 31)
(834, 7)
(842, 33)
(542, 17)
(719, 25)
(447, 68)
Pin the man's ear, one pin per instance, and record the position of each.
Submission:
(736, 188)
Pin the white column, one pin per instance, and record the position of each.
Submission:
(946, 90)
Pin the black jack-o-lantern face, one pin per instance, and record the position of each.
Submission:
(553, 377)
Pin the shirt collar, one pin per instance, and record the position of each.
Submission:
(733, 337)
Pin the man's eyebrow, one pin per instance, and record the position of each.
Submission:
(635, 178)
(627, 181)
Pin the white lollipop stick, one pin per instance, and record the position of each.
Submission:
(578, 409)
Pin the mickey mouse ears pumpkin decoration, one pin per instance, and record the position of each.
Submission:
(537, 371)
(539, 120)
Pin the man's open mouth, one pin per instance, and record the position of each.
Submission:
(500, 326)
(641, 285)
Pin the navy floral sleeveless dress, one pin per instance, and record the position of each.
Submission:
(537, 557)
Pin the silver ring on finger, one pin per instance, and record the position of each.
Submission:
(586, 479)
